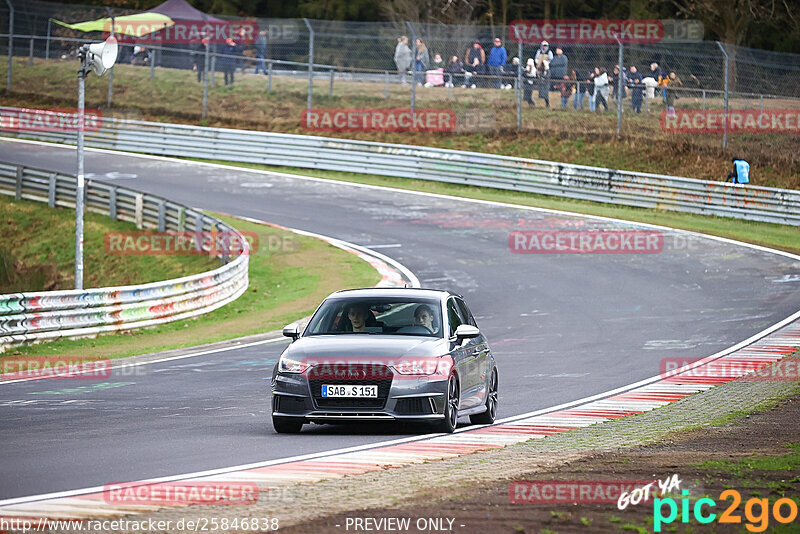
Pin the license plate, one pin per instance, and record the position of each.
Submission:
(349, 391)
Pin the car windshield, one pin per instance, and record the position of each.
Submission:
(387, 316)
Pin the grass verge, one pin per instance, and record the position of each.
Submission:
(289, 276)
(776, 236)
(37, 251)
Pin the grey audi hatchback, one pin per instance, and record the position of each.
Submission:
(386, 355)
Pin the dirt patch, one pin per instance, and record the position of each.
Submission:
(728, 450)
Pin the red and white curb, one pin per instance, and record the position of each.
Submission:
(648, 395)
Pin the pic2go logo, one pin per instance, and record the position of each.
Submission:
(758, 521)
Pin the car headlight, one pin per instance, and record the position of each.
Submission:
(288, 365)
(424, 366)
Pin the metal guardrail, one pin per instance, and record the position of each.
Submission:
(469, 168)
(37, 316)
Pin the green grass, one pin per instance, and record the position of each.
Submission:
(790, 463)
(556, 135)
(777, 236)
(37, 251)
(287, 282)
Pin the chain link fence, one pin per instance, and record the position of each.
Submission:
(353, 67)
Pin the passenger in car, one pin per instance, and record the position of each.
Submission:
(423, 315)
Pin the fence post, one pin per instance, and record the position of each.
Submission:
(10, 42)
(413, 68)
(386, 85)
(310, 63)
(704, 99)
(111, 70)
(330, 90)
(30, 52)
(518, 92)
(269, 77)
(47, 42)
(205, 77)
(51, 191)
(153, 64)
(619, 87)
(18, 188)
(213, 67)
(762, 103)
(112, 203)
(725, 135)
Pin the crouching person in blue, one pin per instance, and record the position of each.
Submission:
(740, 173)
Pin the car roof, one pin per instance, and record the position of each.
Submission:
(392, 292)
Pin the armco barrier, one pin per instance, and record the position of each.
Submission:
(28, 317)
(471, 168)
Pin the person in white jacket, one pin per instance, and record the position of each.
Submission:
(402, 58)
(601, 87)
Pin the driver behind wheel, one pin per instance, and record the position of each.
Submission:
(423, 316)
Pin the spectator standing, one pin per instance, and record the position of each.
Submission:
(565, 88)
(543, 54)
(613, 80)
(528, 79)
(261, 51)
(497, 60)
(543, 75)
(559, 65)
(590, 90)
(402, 58)
(199, 58)
(456, 70)
(580, 89)
(658, 76)
(637, 90)
(475, 61)
(230, 54)
(601, 88)
(671, 87)
(421, 61)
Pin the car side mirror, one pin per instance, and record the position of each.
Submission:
(292, 330)
(466, 331)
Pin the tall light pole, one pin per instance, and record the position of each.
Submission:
(98, 58)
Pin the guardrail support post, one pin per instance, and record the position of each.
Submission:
(269, 77)
(181, 219)
(310, 63)
(18, 188)
(225, 241)
(138, 210)
(112, 203)
(198, 232)
(51, 191)
(162, 219)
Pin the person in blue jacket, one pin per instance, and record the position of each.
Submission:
(740, 173)
(497, 60)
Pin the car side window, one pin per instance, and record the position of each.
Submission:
(466, 316)
(453, 316)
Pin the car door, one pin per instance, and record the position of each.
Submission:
(458, 351)
(481, 356)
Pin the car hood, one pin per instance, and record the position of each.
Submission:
(366, 347)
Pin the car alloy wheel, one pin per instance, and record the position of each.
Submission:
(488, 417)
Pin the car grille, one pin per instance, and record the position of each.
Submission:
(414, 406)
(285, 404)
(379, 375)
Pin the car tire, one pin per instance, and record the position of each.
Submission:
(488, 417)
(451, 401)
(285, 425)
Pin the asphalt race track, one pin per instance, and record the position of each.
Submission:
(562, 326)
